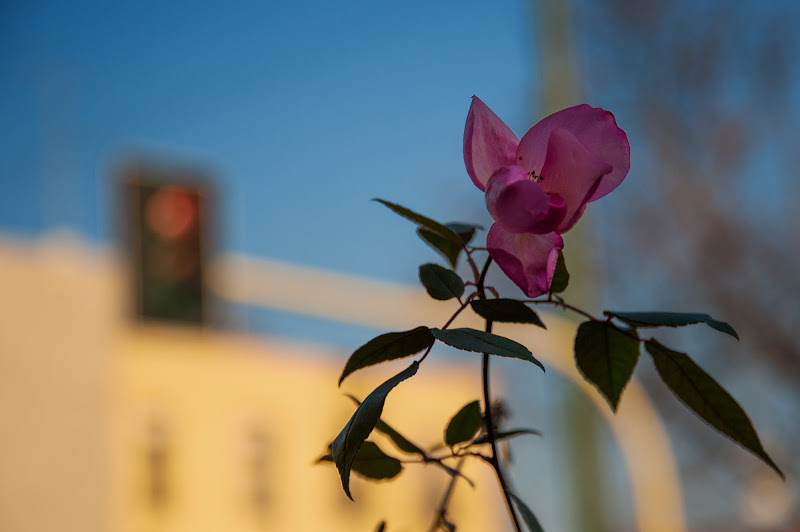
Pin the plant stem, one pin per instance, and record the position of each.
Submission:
(464, 305)
(563, 304)
(566, 306)
(488, 411)
(440, 516)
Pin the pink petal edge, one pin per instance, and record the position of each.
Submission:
(573, 172)
(489, 143)
(528, 260)
(595, 128)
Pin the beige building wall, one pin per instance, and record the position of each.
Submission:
(57, 339)
(113, 426)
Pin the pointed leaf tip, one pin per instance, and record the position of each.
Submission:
(707, 399)
(670, 319)
(606, 357)
(346, 445)
(560, 279)
(422, 221)
(482, 342)
(527, 514)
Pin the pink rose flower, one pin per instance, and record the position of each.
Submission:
(538, 187)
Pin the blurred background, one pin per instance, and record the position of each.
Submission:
(188, 253)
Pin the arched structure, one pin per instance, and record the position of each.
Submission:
(636, 426)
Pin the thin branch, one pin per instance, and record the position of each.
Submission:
(488, 411)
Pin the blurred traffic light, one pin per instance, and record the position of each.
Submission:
(167, 240)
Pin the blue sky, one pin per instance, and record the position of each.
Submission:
(300, 112)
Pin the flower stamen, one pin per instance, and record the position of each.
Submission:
(534, 177)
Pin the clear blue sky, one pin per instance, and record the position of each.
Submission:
(300, 111)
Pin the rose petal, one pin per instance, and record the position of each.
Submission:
(595, 128)
(488, 143)
(572, 172)
(521, 205)
(528, 260)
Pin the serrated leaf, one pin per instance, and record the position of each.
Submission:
(560, 279)
(464, 425)
(671, 319)
(705, 397)
(503, 435)
(389, 346)
(372, 462)
(527, 514)
(347, 444)
(506, 310)
(482, 342)
(398, 439)
(422, 221)
(449, 250)
(441, 283)
(606, 356)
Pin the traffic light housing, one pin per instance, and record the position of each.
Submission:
(167, 212)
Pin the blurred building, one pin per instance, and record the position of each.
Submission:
(127, 408)
(113, 424)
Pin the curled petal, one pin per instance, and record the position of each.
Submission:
(520, 205)
(488, 143)
(528, 260)
(595, 128)
(572, 172)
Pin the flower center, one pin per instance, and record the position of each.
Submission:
(534, 177)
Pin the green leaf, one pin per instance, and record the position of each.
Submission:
(389, 346)
(484, 438)
(465, 231)
(506, 310)
(422, 221)
(482, 342)
(450, 250)
(671, 319)
(373, 463)
(527, 514)
(706, 398)
(464, 424)
(441, 283)
(398, 439)
(606, 357)
(560, 277)
(347, 444)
